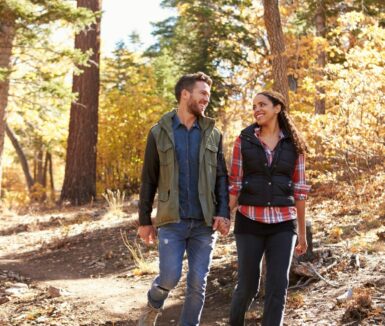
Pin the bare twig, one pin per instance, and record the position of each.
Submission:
(321, 277)
(331, 266)
(298, 286)
(379, 298)
(218, 291)
(358, 233)
(350, 323)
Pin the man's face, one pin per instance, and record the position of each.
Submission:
(199, 99)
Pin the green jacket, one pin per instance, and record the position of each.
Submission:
(160, 172)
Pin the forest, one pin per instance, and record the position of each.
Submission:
(73, 128)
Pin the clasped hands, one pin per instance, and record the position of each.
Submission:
(222, 225)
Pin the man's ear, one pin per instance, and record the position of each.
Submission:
(185, 94)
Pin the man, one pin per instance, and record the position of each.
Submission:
(184, 162)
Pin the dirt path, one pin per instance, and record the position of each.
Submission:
(71, 267)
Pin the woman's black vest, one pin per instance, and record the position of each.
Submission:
(264, 185)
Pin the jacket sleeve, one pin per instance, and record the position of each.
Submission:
(222, 185)
(149, 185)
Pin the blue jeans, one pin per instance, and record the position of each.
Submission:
(198, 240)
(278, 249)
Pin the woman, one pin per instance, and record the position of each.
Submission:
(267, 181)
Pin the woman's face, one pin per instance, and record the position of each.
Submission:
(264, 110)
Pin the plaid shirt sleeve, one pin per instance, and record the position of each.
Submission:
(301, 189)
(236, 171)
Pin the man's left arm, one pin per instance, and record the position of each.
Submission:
(222, 211)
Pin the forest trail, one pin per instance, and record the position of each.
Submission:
(71, 267)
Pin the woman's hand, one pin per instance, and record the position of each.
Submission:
(301, 247)
(222, 225)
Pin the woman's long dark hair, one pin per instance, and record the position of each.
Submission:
(285, 121)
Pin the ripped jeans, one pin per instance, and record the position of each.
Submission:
(196, 239)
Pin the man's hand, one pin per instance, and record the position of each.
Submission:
(222, 225)
(147, 233)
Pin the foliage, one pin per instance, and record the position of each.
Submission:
(350, 137)
(42, 62)
(209, 36)
(227, 40)
(130, 104)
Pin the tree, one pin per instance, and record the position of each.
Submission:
(133, 98)
(23, 24)
(320, 24)
(7, 34)
(277, 47)
(80, 171)
(209, 36)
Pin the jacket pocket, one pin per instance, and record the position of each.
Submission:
(286, 188)
(164, 195)
(211, 154)
(165, 153)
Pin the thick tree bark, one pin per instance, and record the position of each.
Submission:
(273, 25)
(23, 160)
(320, 24)
(80, 172)
(7, 34)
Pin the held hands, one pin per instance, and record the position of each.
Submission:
(147, 233)
(222, 225)
(301, 247)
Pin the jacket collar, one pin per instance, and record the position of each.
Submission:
(249, 133)
(166, 121)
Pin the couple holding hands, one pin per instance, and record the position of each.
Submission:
(184, 163)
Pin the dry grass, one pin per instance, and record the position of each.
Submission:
(143, 266)
(115, 200)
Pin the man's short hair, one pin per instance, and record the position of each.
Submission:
(188, 81)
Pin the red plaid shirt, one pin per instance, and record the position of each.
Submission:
(261, 213)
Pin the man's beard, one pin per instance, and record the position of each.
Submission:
(193, 107)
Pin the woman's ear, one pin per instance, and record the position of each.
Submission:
(278, 108)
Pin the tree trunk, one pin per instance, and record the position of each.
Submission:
(50, 170)
(7, 34)
(320, 24)
(40, 169)
(20, 154)
(80, 172)
(45, 169)
(273, 25)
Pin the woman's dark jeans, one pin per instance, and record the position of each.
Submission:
(278, 249)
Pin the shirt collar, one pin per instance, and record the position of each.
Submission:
(176, 122)
(257, 132)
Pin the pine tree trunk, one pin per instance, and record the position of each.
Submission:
(40, 168)
(273, 25)
(80, 172)
(21, 156)
(320, 24)
(7, 34)
(50, 172)
(45, 169)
